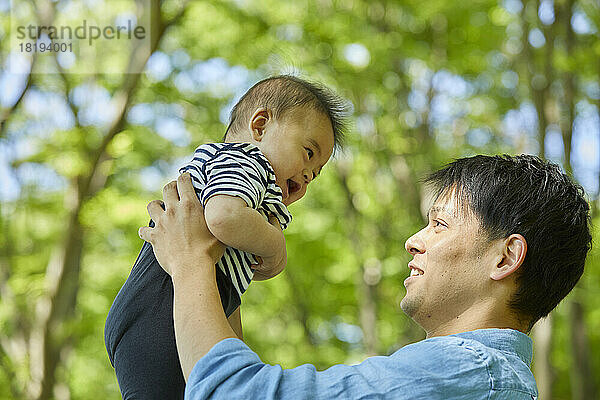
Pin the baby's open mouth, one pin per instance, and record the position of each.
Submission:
(293, 187)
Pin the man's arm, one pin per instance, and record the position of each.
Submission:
(431, 369)
(224, 366)
(198, 315)
(187, 250)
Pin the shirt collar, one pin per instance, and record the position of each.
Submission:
(507, 340)
(251, 149)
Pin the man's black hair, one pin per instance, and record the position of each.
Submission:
(284, 92)
(525, 195)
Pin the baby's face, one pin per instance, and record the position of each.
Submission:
(298, 146)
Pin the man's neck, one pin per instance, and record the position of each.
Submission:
(477, 317)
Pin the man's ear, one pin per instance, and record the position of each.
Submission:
(513, 256)
(258, 121)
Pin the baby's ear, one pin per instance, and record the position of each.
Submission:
(258, 121)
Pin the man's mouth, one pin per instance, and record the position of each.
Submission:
(414, 273)
(292, 187)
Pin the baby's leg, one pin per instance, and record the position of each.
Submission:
(139, 334)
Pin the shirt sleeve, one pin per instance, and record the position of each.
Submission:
(435, 369)
(230, 370)
(233, 174)
(273, 204)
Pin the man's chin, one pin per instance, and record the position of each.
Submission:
(409, 306)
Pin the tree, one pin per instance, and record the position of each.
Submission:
(427, 82)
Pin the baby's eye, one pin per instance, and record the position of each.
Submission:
(309, 152)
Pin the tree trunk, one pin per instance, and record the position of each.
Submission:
(542, 368)
(596, 204)
(302, 309)
(13, 350)
(58, 307)
(51, 337)
(368, 306)
(582, 378)
(539, 80)
(568, 114)
(366, 289)
(542, 332)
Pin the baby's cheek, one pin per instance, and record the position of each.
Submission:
(296, 196)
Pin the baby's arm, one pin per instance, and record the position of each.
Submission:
(234, 223)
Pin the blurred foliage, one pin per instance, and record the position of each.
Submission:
(428, 82)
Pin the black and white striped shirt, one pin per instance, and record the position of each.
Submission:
(241, 170)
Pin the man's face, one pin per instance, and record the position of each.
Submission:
(297, 146)
(450, 266)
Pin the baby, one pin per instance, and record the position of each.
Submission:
(280, 134)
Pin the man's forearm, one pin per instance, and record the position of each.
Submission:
(199, 319)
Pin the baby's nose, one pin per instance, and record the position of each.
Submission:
(308, 176)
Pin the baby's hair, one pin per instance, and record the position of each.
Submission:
(284, 92)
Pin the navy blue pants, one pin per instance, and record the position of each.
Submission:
(139, 333)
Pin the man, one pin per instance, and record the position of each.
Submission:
(506, 241)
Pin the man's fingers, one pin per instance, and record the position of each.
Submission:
(170, 194)
(185, 187)
(145, 233)
(155, 208)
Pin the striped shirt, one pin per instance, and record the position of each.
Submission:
(240, 170)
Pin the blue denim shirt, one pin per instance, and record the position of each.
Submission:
(482, 364)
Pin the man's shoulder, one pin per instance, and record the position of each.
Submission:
(443, 351)
(464, 361)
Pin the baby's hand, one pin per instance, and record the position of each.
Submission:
(272, 266)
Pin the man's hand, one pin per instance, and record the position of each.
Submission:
(187, 251)
(272, 266)
(180, 239)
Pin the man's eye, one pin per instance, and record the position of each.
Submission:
(309, 152)
(437, 223)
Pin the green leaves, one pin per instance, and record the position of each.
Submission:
(428, 82)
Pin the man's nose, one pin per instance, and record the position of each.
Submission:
(414, 244)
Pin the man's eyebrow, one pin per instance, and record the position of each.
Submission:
(435, 209)
(314, 143)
